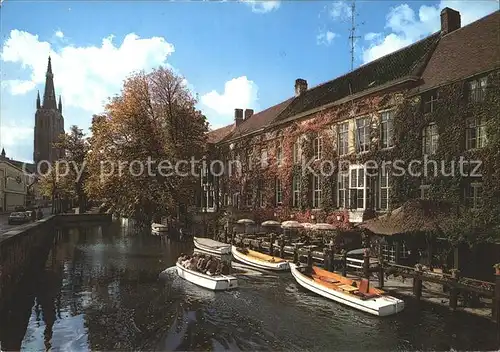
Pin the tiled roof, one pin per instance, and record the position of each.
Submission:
(19, 164)
(405, 62)
(219, 134)
(462, 53)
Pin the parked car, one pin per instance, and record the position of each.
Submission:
(18, 218)
(20, 208)
(31, 214)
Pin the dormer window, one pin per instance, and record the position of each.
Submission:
(430, 101)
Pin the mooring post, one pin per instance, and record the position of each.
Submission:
(326, 258)
(366, 263)
(380, 266)
(271, 244)
(309, 258)
(259, 245)
(295, 253)
(455, 275)
(225, 235)
(344, 265)
(282, 247)
(232, 238)
(417, 283)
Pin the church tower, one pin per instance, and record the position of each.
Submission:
(49, 122)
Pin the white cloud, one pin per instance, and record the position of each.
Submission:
(340, 10)
(17, 141)
(406, 26)
(325, 38)
(17, 86)
(259, 6)
(238, 93)
(85, 76)
(59, 34)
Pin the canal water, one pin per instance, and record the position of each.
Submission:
(101, 289)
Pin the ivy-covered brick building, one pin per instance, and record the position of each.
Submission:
(369, 140)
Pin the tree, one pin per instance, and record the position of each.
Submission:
(152, 124)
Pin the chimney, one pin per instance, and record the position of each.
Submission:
(238, 116)
(248, 113)
(450, 20)
(300, 86)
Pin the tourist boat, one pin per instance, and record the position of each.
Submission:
(215, 283)
(341, 289)
(211, 246)
(260, 260)
(159, 228)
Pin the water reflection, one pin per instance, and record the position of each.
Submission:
(100, 289)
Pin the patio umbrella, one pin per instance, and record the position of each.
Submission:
(291, 225)
(271, 223)
(307, 225)
(245, 222)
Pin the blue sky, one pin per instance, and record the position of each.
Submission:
(232, 54)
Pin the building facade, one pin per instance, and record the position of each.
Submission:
(362, 143)
(49, 122)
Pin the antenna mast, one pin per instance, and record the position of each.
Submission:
(352, 31)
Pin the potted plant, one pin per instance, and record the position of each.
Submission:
(497, 268)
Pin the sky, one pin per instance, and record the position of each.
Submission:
(232, 54)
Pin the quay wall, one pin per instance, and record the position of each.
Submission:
(27, 246)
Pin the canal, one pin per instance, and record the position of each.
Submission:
(100, 289)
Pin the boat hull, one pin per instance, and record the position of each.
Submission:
(223, 248)
(215, 283)
(279, 266)
(379, 306)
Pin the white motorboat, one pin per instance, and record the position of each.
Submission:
(354, 293)
(211, 246)
(159, 228)
(260, 260)
(215, 283)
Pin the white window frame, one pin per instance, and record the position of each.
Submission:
(279, 192)
(296, 191)
(477, 89)
(343, 138)
(357, 185)
(475, 133)
(317, 192)
(249, 199)
(430, 139)
(297, 152)
(430, 100)
(363, 133)
(279, 153)
(263, 158)
(343, 190)
(423, 190)
(318, 147)
(384, 186)
(476, 199)
(250, 159)
(387, 129)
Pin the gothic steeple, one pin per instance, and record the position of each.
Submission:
(38, 106)
(3, 153)
(49, 96)
(59, 106)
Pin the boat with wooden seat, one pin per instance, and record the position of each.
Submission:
(215, 282)
(159, 228)
(354, 293)
(211, 246)
(259, 260)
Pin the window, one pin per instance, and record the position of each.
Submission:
(317, 194)
(477, 90)
(210, 200)
(343, 189)
(262, 190)
(430, 101)
(249, 159)
(425, 191)
(296, 151)
(317, 147)
(263, 158)
(473, 195)
(362, 134)
(430, 138)
(249, 199)
(386, 134)
(357, 188)
(343, 138)
(384, 188)
(279, 192)
(475, 133)
(296, 192)
(279, 153)
(236, 200)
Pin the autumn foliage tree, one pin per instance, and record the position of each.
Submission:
(143, 134)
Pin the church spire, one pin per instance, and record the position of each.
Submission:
(38, 106)
(49, 96)
(59, 105)
(3, 153)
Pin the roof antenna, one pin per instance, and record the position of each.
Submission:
(352, 31)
